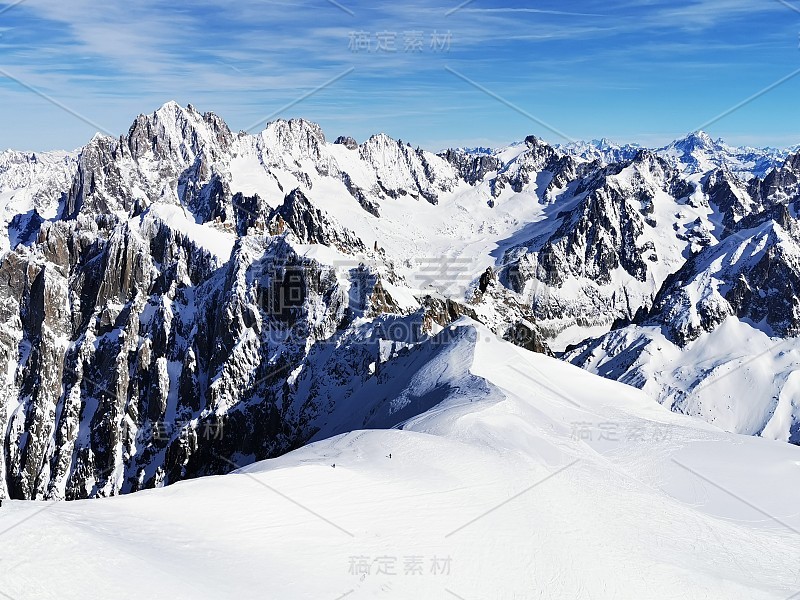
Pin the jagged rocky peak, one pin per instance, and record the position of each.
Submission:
(99, 185)
(781, 185)
(722, 176)
(168, 156)
(651, 160)
(538, 153)
(696, 140)
(297, 138)
(347, 141)
(604, 144)
(538, 156)
(310, 225)
(566, 169)
(728, 193)
(533, 141)
(178, 134)
(381, 144)
(472, 167)
(405, 171)
(650, 174)
(696, 152)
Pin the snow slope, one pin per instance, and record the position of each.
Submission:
(31, 183)
(142, 280)
(721, 341)
(736, 377)
(543, 482)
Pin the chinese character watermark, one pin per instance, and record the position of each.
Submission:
(615, 432)
(413, 565)
(409, 42)
(164, 431)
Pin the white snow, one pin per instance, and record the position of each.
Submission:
(216, 241)
(551, 483)
(736, 377)
(31, 181)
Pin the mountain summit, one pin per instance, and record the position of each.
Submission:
(184, 279)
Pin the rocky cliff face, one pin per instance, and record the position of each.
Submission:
(134, 358)
(403, 171)
(753, 274)
(162, 324)
(622, 233)
(720, 338)
(472, 168)
(184, 298)
(781, 185)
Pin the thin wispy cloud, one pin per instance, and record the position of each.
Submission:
(589, 63)
(710, 13)
(536, 11)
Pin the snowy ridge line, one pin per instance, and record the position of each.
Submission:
(183, 292)
(489, 493)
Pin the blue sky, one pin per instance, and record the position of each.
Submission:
(424, 71)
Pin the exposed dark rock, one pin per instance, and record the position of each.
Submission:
(526, 336)
(364, 200)
(472, 168)
(311, 225)
(486, 278)
(347, 141)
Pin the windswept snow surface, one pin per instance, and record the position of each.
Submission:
(521, 477)
(736, 377)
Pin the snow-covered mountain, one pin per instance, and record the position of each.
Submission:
(512, 475)
(195, 279)
(31, 183)
(184, 280)
(720, 339)
(603, 149)
(698, 152)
